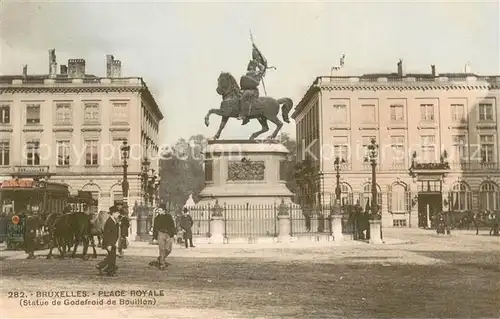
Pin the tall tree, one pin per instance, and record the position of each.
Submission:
(182, 172)
(291, 145)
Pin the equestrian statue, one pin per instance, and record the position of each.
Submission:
(243, 101)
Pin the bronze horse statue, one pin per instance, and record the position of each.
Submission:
(263, 108)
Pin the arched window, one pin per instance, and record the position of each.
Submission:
(461, 198)
(346, 197)
(367, 196)
(398, 200)
(488, 196)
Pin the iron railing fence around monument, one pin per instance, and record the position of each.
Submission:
(257, 221)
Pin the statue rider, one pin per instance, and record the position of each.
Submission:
(249, 84)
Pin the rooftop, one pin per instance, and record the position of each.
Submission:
(398, 81)
(73, 78)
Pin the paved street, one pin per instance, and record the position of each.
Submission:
(420, 276)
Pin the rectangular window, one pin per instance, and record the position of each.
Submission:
(485, 112)
(4, 153)
(63, 113)
(340, 113)
(368, 113)
(487, 143)
(120, 113)
(459, 148)
(63, 153)
(33, 153)
(91, 113)
(397, 113)
(91, 154)
(428, 148)
(427, 112)
(366, 153)
(398, 149)
(458, 112)
(341, 147)
(4, 114)
(33, 114)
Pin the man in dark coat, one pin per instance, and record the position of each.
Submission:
(109, 239)
(124, 225)
(163, 232)
(186, 225)
(32, 224)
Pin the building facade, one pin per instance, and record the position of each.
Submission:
(429, 119)
(72, 125)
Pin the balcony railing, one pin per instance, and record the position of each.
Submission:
(467, 166)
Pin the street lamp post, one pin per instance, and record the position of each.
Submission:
(125, 149)
(144, 179)
(375, 218)
(373, 154)
(338, 191)
(152, 187)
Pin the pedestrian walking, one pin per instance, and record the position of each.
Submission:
(187, 225)
(109, 239)
(124, 226)
(32, 224)
(163, 232)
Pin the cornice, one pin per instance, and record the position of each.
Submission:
(33, 129)
(384, 86)
(69, 89)
(62, 129)
(91, 129)
(119, 129)
(373, 86)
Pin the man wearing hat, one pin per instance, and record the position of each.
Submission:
(186, 225)
(163, 232)
(124, 226)
(109, 239)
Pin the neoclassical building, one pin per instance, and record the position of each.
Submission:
(72, 124)
(439, 118)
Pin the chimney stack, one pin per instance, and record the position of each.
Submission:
(25, 70)
(433, 70)
(76, 68)
(52, 63)
(64, 69)
(113, 67)
(400, 68)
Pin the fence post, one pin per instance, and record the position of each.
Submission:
(284, 223)
(216, 225)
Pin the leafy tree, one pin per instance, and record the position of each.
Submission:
(291, 145)
(182, 171)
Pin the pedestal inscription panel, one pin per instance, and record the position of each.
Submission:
(245, 170)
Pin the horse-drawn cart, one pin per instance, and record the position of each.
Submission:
(21, 199)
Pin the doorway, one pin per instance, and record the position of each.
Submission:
(432, 200)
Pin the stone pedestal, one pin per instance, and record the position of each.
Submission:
(375, 226)
(338, 236)
(284, 228)
(245, 171)
(216, 230)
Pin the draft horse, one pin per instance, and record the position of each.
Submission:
(72, 228)
(263, 108)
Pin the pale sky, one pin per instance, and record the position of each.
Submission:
(181, 48)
